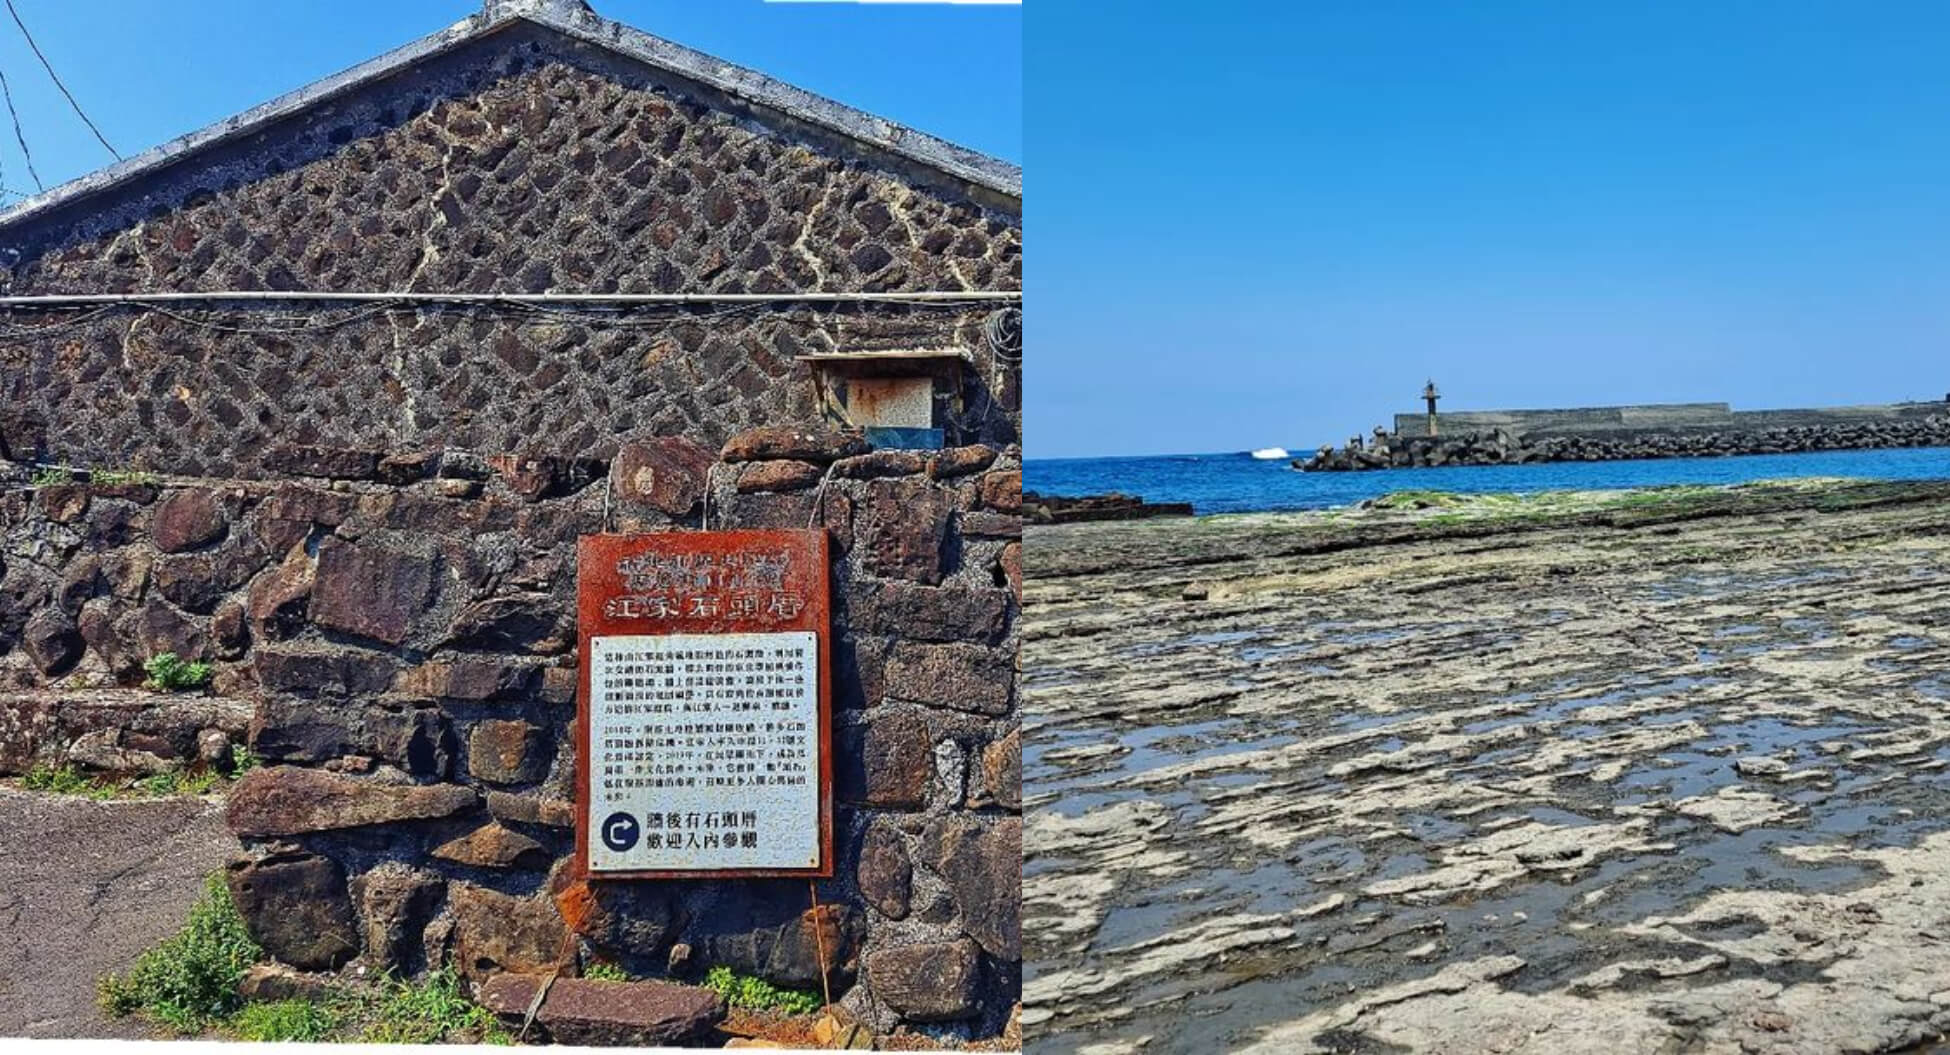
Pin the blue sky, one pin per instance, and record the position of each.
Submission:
(149, 70)
(1269, 223)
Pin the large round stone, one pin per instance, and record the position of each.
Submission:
(186, 520)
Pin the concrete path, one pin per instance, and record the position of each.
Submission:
(85, 886)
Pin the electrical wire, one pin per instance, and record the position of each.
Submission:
(656, 315)
(626, 321)
(49, 67)
(956, 298)
(8, 94)
(999, 330)
(54, 327)
(1002, 332)
(289, 325)
(236, 320)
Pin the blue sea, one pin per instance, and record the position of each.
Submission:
(1237, 483)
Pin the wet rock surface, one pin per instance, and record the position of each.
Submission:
(1674, 776)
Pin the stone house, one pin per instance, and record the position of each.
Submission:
(325, 394)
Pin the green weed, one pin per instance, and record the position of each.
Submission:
(434, 1009)
(71, 780)
(179, 782)
(757, 994)
(66, 780)
(605, 972)
(1662, 496)
(284, 1020)
(189, 981)
(52, 476)
(169, 673)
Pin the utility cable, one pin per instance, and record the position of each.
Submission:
(243, 314)
(8, 94)
(49, 67)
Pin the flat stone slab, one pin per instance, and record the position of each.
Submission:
(585, 1011)
(286, 800)
(41, 725)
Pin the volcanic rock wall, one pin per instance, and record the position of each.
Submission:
(516, 164)
(402, 627)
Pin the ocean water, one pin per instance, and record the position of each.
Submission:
(1237, 483)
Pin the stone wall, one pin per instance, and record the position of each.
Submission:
(404, 639)
(516, 164)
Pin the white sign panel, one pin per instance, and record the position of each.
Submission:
(704, 752)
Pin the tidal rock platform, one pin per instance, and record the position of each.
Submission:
(1626, 771)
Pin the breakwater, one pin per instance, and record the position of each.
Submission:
(1619, 433)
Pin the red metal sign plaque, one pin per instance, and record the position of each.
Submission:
(704, 715)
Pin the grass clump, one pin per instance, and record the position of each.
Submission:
(168, 672)
(757, 994)
(179, 782)
(52, 476)
(431, 1010)
(189, 981)
(1652, 497)
(68, 779)
(284, 1020)
(65, 780)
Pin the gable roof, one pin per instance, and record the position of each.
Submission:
(575, 20)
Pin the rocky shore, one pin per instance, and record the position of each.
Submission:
(1502, 447)
(1627, 771)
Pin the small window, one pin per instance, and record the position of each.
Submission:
(891, 395)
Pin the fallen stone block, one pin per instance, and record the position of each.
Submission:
(585, 1011)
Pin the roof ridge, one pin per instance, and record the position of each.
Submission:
(503, 8)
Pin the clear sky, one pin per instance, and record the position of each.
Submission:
(1261, 223)
(149, 70)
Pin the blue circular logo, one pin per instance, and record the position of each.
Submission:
(620, 831)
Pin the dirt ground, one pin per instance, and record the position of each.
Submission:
(85, 886)
(1626, 774)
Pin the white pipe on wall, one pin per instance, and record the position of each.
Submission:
(52, 300)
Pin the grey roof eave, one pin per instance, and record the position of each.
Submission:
(958, 162)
